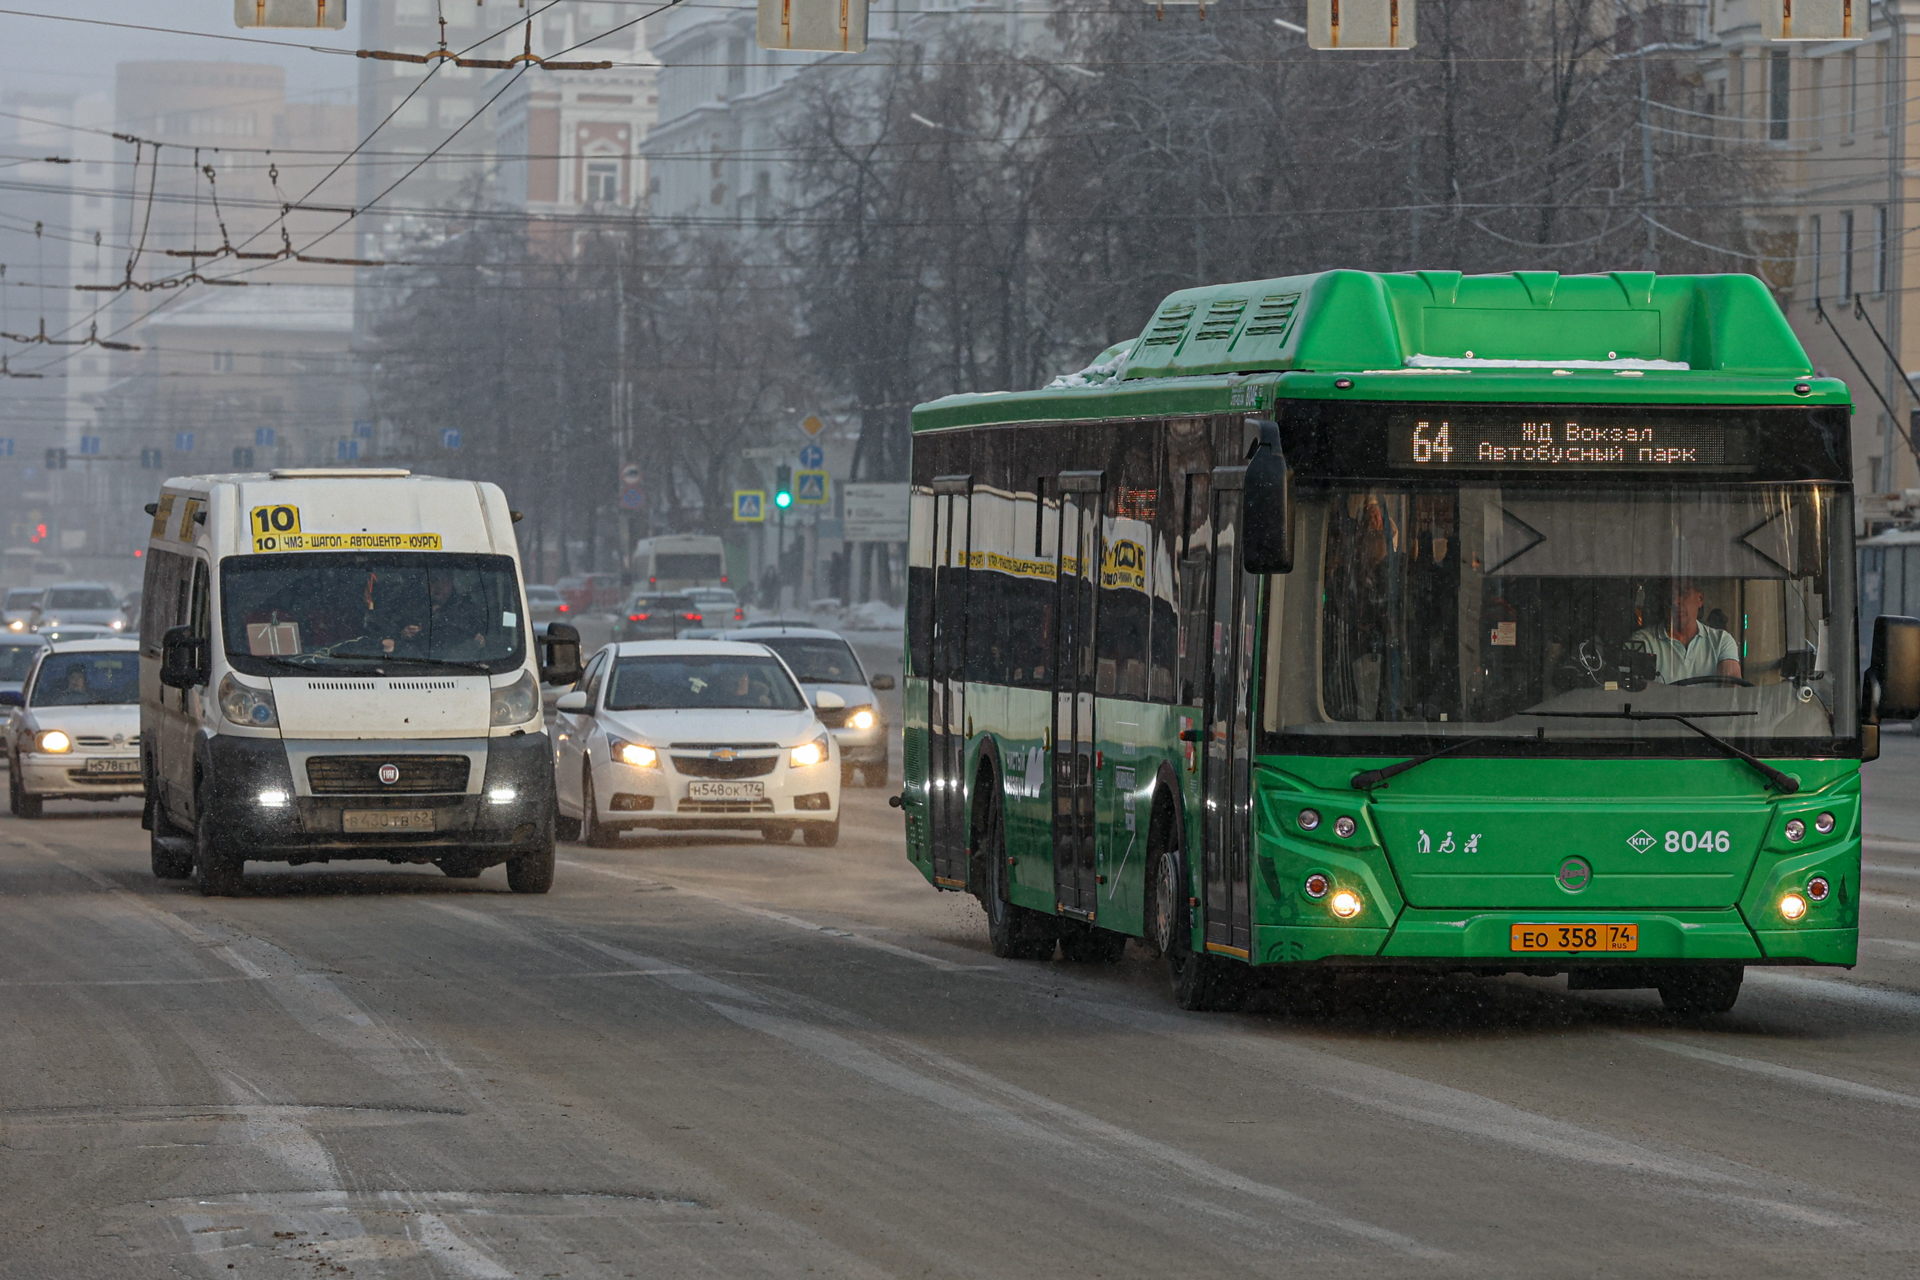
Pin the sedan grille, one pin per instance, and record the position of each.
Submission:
(708, 767)
(725, 806)
(347, 775)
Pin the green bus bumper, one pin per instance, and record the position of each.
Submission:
(1485, 937)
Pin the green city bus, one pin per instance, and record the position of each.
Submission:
(1495, 624)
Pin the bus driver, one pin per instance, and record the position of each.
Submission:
(1685, 648)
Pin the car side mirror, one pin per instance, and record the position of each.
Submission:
(1266, 505)
(12, 698)
(827, 700)
(574, 701)
(560, 654)
(880, 684)
(183, 659)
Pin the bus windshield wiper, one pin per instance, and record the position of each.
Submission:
(1368, 779)
(1779, 781)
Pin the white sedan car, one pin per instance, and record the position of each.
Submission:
(74, 734)
(683, 734)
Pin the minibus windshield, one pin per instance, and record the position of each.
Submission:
(342, 612)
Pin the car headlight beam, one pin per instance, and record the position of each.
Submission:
(809, 754)
(52, 741)
(632, 753)
(862, 718)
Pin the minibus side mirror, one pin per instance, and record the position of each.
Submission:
(560, 654)
(881, 684)
(182, 659)
(1891, 689)
(1266, 511)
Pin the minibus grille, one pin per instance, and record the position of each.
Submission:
(348, 775)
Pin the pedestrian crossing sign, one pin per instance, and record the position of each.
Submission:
(749, 506)
(810, 488)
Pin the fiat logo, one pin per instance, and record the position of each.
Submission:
(389, 773)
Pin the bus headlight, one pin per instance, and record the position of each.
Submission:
(862, 718)
(1345, 904)
(811, 754)
(1793, 906)
(53, 742)
(245, 705)
(516, 703)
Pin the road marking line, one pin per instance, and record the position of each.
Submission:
(1777, 1071)
(1881, 898)
(858, 939)
(1886, 869)
(1835, 989)
(1892, 942)
(855, 1057)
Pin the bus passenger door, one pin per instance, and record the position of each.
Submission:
(1076, 581)
(1226, 771)
(946, 682)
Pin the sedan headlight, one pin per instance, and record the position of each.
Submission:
(813, 753)
(118, 624)
(52, 741)
(246, 705)
(633, 753)
(516, 703)
(862, 718)
(17, 625)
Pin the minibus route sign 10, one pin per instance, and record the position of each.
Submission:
(277, 528)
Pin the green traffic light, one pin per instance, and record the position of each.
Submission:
(783, 500)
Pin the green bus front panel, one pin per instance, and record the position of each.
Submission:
(1448, 857)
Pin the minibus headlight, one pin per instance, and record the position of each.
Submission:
(53, 741)
(245, 705)
(813, 753)
(516, 703)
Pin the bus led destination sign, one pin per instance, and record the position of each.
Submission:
(1606, 439)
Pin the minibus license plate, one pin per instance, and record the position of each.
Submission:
(726, 790)
(129, 765)
(387, 820)
(1576, 937)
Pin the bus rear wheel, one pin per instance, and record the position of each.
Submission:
(1701, 990)
(1013, 933)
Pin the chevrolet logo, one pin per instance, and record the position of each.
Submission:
(722, 753)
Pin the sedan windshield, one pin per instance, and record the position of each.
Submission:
(17, 600)
(352, 611)
(16, 660)
(87, 680)
(81, 598)
(1564, 616)
(702, 682)
(817, 661)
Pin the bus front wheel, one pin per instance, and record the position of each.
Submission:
(1200, 982)
(1700, 990)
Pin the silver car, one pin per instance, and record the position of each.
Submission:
(75, 733)
(22, 608)
(840, 689)
(17, 655)
(89, 603)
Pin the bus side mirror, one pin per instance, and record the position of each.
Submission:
(1266, 512)
(1892, 686)
(560, 654)
(182, 659)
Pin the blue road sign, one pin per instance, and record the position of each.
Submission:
(89, 445)
(749, 506)
(812, 455)
(362, 429)
(349, 450)
(450, 438)
(183, 442)
(263, 437)
(810, 488)
(632, 499)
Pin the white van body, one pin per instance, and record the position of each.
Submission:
(677, 561)
(361, 679)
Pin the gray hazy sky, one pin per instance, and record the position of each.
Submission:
(38, 55)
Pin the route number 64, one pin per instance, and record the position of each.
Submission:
(1698, 842)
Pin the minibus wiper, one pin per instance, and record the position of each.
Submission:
(462, 663)
(1783, 783)
(1368, 779)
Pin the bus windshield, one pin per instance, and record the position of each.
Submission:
(1566, 616)
(355, 611)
